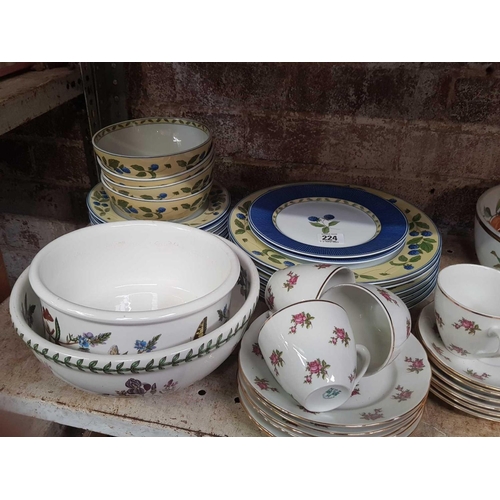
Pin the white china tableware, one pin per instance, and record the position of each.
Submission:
(309, 348)
(158, 372)
(376, 401)
(133, 286)
(467, 310)
(303, 282)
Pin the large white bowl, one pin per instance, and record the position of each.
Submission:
(486, 237)
(133, 286)
(158, 373)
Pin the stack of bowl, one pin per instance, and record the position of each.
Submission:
(156, 169)
(487, 228)
(332, 358)
(120, 309)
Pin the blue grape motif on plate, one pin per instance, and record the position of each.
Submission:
(325, 222)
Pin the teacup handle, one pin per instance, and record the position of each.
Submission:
(492, 331)
(363, 358)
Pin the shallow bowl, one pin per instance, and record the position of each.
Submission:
(160, 372)
(164, 209)
(152, 147)
(158, 181)
(133, 286)
(180, 189)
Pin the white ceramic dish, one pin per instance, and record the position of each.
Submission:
(385, 397)
(137, 374)
(133, 285)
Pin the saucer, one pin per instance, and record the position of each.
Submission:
(483, 373)
(384, 397)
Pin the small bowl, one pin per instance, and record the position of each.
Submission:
(156, 181)
(134, 285)
(168, 210)
(380, 320)
(486, 228)
(159, 373)
(152, 147)
(180, 189)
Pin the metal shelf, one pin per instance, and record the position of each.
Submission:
(31, 94)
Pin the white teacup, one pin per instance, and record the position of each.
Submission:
(467, 309)
(380, 320)
(309, 348)
(304, 282)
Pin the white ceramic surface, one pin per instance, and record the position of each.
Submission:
(133, 286)
(158, 373)
(311, 352)
(380, 320)
(483, 373)
(303, 282)
(487, 244)
(375, 403)
(467, 309)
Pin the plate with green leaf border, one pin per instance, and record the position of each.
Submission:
(422, 245)
(219, 199)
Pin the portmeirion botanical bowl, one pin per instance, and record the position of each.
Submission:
(157, 181)
(180, 189)
(152, 147)
(163, 209)
(154, 373)
(487, 228)
(133, 286)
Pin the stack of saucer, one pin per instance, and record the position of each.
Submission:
(468, 384)
(388, 403)
(387, 241)
(212, 219)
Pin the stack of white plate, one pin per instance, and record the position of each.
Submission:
(212, 219)
(389, 403)
(387, 241)
(467, 384)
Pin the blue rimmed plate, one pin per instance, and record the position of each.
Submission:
(327, 221)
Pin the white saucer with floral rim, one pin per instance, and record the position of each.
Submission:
(100, 209)
(484, 373)
(379, 399)
(309, 429)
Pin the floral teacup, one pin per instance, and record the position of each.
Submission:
(309, 348)
(467, 310)
(303, 282)
(380, 320)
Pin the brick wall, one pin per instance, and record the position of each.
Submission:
(426, 132)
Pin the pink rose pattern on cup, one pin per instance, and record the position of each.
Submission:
(355, 391)
(340, 335)
(439, 320)
(471, 327)
(302, 319)
(352, 376)
(317, 367)
(458, 350)
(387, 296)
(408, 327)
(291, 281)
(402, 394)
(440, 351)
(256, 350)
(270, 298)
(276, 360)
(416, 365)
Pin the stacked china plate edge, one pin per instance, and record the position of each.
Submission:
(409, 268)
(389, 403)
(213, 219)
(466, 384)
